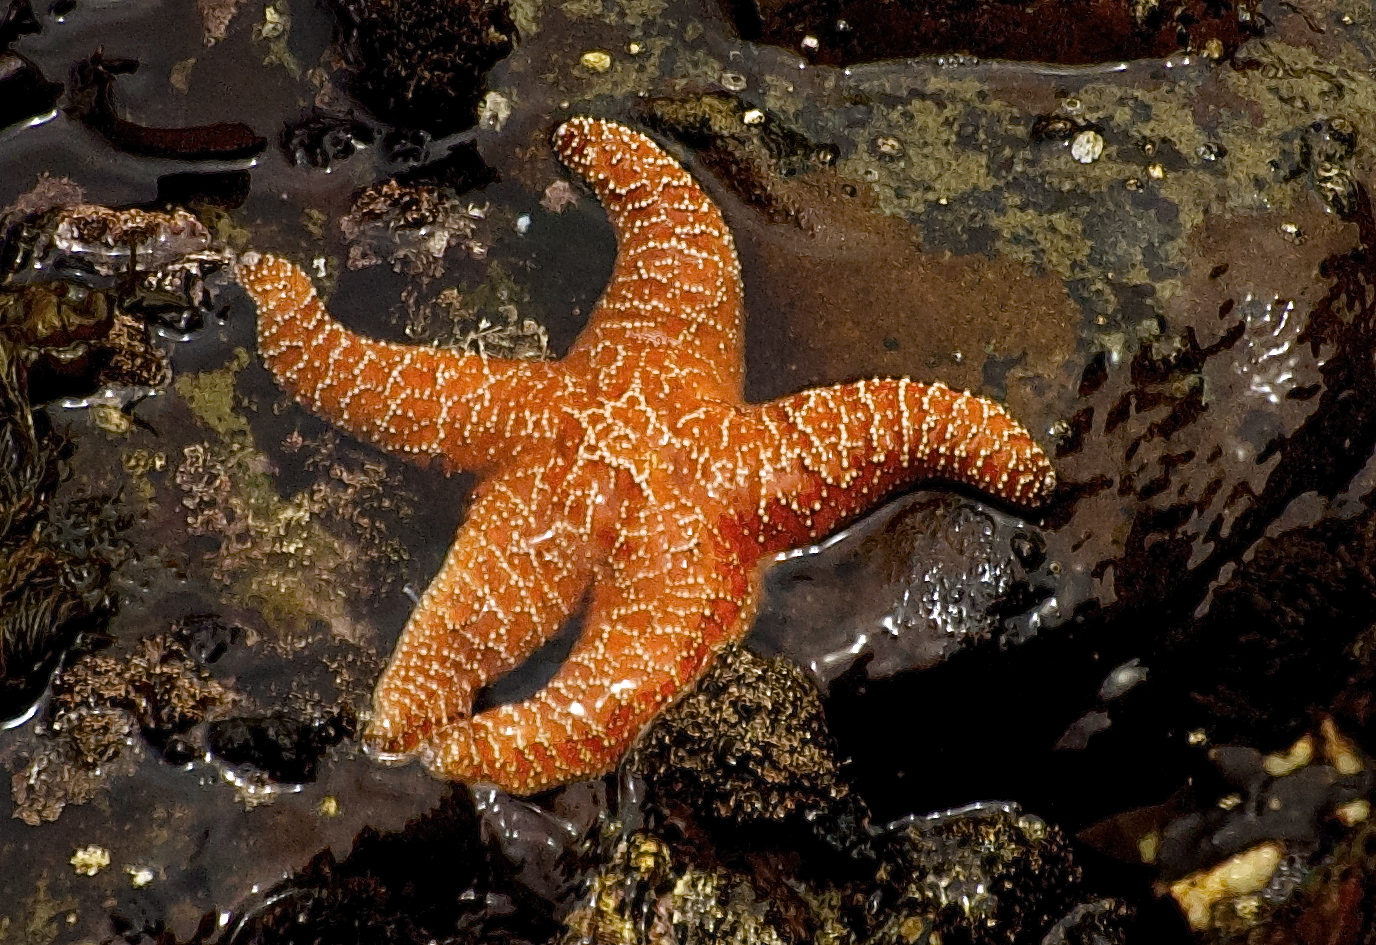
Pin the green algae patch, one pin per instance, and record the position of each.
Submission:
(299, 559)
(964, 166)
(39, 921)
(211, 396)
(946, 153)
(634, 13)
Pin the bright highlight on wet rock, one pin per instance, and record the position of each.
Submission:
(632, 468)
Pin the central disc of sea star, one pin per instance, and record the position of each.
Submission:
(632, 469)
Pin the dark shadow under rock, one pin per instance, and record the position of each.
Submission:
(433, 880)
(24, 91)
(286, 749)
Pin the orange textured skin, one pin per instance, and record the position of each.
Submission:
(631, 468)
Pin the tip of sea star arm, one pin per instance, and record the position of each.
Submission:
(258, 271)
(1037, 478)
(388, 738)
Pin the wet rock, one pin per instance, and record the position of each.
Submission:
(547, 847)
(1293, 623)
(24, 91)
(749, 743)
(845, 32)
(930, 576)
(1241, 846)
(284, 748)
(80, 286)
(641, 897)
(1297, 375)
(422, 65)
(90, 240)
(1101, 922)
(103, 711)
(987, 871)
(1294, 809)
(749, 748)
(93, 263)
(91, 101)
(321, 140)
(751, 150)
(983, 873)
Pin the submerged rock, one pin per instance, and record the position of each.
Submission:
(100, 704)
(424, 65)
(412, 227)
(929, 577)
(752, 151)
(320, 140)
(285, 749)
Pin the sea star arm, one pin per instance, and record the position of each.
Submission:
(815, 461)
(518, 567)
(424, 402)
(653, 628)
(676, 282)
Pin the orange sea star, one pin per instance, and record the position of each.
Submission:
(631, 467)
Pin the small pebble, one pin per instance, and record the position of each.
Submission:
(494, 111)
(596, 61)
(1086, 146)
(90, 860)
(1354, 812)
